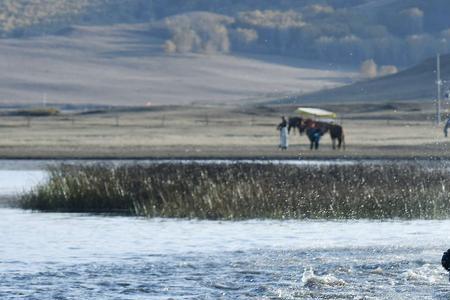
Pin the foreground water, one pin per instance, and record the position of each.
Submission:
(78, 256)
(73, 256)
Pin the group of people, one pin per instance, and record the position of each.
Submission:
(313, 132)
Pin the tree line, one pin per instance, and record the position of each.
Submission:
(398, 32)
(322, 34)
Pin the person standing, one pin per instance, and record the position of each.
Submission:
(282, 128)
(314, 134)
(447, 125)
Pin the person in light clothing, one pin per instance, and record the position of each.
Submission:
(282, 127)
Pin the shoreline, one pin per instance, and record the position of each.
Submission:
(265, 153)
(223, 158)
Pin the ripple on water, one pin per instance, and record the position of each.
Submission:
(339, 274)
(65, 256)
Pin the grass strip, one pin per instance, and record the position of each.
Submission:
(244, 191)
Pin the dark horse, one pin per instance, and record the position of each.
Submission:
(336, 132)
(295, 122)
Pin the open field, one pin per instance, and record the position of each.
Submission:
(394, 130)
(126, 65)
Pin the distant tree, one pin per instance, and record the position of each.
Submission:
(243, 36)
(170, 47)
(199, 32)
(271, 18)
(368, 69)
(186, 40)
(387, 70)
(217, 40)
(318, 9)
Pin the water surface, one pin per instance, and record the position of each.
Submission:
(81, 256)
(76, 256)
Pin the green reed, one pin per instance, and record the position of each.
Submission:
(242, 191)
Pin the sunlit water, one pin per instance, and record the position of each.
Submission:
(76, 256)
(72, 256)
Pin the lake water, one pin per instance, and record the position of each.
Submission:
(80, 256)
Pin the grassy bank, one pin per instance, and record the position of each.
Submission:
(242, 191)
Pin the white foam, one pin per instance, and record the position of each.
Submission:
(310, 279)
(425, 274)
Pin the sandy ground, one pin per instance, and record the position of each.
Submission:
(211, 131)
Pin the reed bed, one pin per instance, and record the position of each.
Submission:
(242, 191)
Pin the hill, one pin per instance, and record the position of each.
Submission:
(397, 32)
(125, 65)
(415, 83)
(178, 51)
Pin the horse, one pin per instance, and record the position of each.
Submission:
(295, 122)
(336, 131)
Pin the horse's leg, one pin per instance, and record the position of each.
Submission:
(339, 142)
(333, 143)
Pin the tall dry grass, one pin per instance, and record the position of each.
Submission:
(241, 191)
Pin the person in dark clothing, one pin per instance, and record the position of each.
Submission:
(447, 125)
(314, 134)
(445, 261)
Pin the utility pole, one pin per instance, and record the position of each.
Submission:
(439, 83)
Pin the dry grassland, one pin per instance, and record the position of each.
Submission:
(210, 131)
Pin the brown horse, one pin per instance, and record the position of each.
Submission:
(336, 131)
